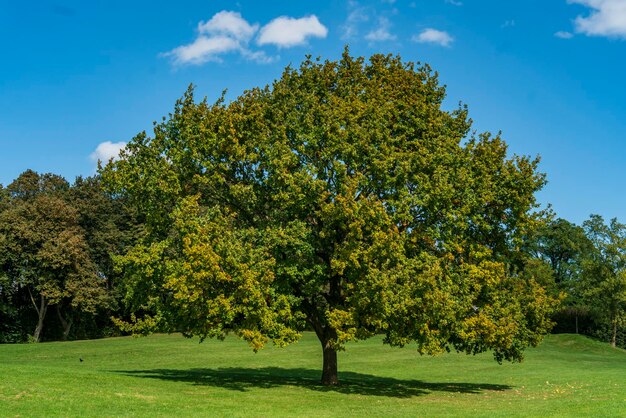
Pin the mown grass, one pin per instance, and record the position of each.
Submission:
(167, 375)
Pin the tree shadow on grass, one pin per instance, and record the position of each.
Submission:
(243, 379)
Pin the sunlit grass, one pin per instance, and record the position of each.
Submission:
(169, 375)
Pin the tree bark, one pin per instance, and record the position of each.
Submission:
(325, 336)
(41, 312)
(329, 368)
(67, 325)
(325, 333)
(614, 334)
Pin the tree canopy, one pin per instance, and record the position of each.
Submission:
(342, 198)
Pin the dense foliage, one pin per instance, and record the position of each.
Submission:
(342, 198)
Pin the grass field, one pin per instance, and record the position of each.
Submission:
(168, 375)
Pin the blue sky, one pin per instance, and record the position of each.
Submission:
(78, 78)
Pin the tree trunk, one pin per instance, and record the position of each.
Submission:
(329, 366)
(326, 335)
(576, 322)
(329, 369)
(41, 312)
(614, 334)
(67, 325)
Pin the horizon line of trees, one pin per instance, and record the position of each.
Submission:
(58, 280)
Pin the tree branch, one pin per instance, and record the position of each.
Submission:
(32, 299)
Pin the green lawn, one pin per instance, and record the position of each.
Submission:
(165, 375)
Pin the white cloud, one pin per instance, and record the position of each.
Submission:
(107, 150)
(225, 32)
(381, 33)
(564, 35)
(285, 31)
(228, 32)
(203, 49)
(433, 36)
(607, 18)
(455, 2)
(229, 24)
(257, 56)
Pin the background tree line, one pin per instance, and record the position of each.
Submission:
(587, 264)
(57, 240)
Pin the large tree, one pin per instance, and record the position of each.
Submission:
(342, 199)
